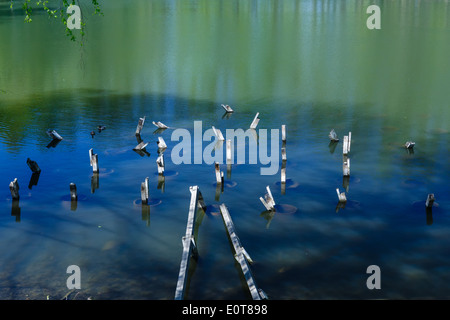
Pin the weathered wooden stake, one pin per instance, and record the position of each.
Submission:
(227, 108)
(430, 200)
(161, 143)
(160, 125)
(228, 152)
(346, 166)
(54, 135)
(341, 196)
(283, 133)
(219, 174)
(140, 125)
(14, 188)
(268, 200)
(255, 122)
(349, 140)
(409, 144)
(33, 166)
(218, 134)
(241, 256)
(140, 146)
(160, 163)
(73, 192)
(345, 146)
(93, 161)
(283, 154)
(144, 191)
(333, 136)
(189, 246)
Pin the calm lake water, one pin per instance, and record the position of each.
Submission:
(312, 65)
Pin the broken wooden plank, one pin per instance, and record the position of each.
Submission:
(218, 134)
(160, 125)
(160, 163)
(73, 191)
(54, 135)
(255, 122)
(341, 196)
(219, 174)
(33, 166)
(228, 151)
(227, 108)
(241, 255)
(430, 200)
(144, 191)
(140, 125)
(189, 246)
(346, 166)
(93, 161)
(333, 136)
(140, 146)
(14, 188)
(409, 144)
(161, 143)
(268, 200)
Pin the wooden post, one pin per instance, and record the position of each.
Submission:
(346, 166)
(241, 255)
(409, 144)
(228, 152)
(268, 200)
(345, 146)
(333, 136)
(160, 125)
(255, 122)
(341, 196)
(349, 140)
(227, 108)
(14, 188)
(189, 246)
(73, 191)
(283, 133)
(33, 166)
(54, 135)
(140, 125)
(430, 200)
(160, 163)
(218, 134)
(161, 143)
(283, 154)
(93, 161)
(144, 191)
(140, 146)
(219, 174)
(283, 177)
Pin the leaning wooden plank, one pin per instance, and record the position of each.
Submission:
(255, 122)
(54, 135)
(218, 134)
(140, 125)
(241, 255)
(227, 108)
(160, 125)
(33, 166)
(188, 242)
